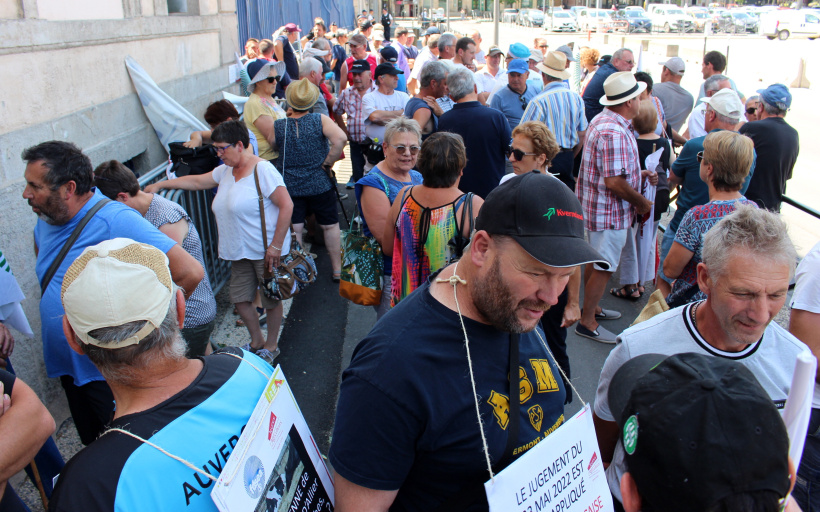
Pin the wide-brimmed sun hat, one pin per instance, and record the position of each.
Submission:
(554, 65)
(302, 94)
(621, 87)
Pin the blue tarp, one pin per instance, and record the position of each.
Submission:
(261, 18)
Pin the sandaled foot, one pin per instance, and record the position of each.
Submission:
(337, 277)
(267, 355)
(626, 292)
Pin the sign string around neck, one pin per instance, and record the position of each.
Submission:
(171, 455)
(456, 280)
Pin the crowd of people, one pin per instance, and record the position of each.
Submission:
(497, 190)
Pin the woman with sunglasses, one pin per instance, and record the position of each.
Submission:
(239, 228)
(724, 165)
(428, 227)
(376, 191)
(261, 110)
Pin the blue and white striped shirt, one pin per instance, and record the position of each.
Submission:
(562, 110)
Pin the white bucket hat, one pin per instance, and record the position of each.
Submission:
(554, 65)
(621, 87)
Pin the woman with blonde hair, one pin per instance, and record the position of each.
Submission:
(589, 65)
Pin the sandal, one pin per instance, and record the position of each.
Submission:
(337, 277)
(267, 355)
(626, 293)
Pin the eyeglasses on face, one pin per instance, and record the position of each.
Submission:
(543, 46)
(517, 154)
(221, 149)
(402, 149)
(700, 157)
(272, 79)
(751, 110)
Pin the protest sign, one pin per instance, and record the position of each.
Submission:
(562, 473)
(276, 465)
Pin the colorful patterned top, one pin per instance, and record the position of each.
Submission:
(697, 221)
(421, 245)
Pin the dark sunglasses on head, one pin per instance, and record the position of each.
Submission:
(517, 154)
(751, 110)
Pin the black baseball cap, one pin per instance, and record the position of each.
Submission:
(387, 69)
(389, 54)
(360, 66)
(697, 429)
(366, 25)
(543, 216)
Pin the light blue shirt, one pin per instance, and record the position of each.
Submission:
(510, 103)
(562, 110)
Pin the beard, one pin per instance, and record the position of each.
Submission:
(54, 211)
(494, 300)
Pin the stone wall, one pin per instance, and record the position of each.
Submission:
(64, 77)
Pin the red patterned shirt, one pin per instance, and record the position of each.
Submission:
(350, 102)
(609, 150)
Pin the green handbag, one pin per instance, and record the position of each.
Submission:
(362, 266)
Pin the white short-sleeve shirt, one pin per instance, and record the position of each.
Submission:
(236, 209)
(807, 295)
(374, 101)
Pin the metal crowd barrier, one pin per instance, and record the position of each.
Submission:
(198, 206)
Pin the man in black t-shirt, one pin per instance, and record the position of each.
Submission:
(406, 435)
(282, 47)
(777, 145)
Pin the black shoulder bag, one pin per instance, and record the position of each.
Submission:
(69, 244)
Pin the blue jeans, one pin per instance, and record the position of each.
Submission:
(807, 489)
(666, 244)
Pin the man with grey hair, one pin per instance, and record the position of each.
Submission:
(622, 60)
(748, 261)
(427, 54)
(123, 311)
(723, 111)
(677, 102)
(696, 126)
(447, 46)
(312, 70)
(776, 143)
(423, 107)
(486, 133)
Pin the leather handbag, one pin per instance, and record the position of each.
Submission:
(296, 269)
(185, 161)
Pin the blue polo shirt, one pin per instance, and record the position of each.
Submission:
(486, 133)
(694, 191)
(509, 103)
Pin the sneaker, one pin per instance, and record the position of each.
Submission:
(600, 334)
(350, 185)
(607, 314)
(343, 197)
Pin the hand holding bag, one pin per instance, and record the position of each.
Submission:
(296, 270)
(185, 161)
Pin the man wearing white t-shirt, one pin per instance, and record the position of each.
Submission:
(381, 106)
(747, 263)
(805, 324)
(486, 76)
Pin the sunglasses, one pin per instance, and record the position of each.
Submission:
(272, 79)
(700, 157)
(517, 154)
(403, 149)
(751, 110)
(524, 103)
(543, 46)
(220, 150)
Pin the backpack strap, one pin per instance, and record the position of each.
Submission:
(70, 243)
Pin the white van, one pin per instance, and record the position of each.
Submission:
(787, 23)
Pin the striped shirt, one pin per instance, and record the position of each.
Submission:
(610, 150)
(350, 102)
(562, 110)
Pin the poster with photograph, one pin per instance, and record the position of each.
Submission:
(276, 465)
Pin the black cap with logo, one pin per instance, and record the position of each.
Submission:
(387, 69)
(359, 66)
(543, 216)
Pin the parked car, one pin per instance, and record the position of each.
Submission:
(509, 15)
(735, 22)
(575, 10)
(530, 18)
(785, 24)
(637, 20)
(438, 15)
(700, 17)
(669, 18)
(590, 19)
(563, 21)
